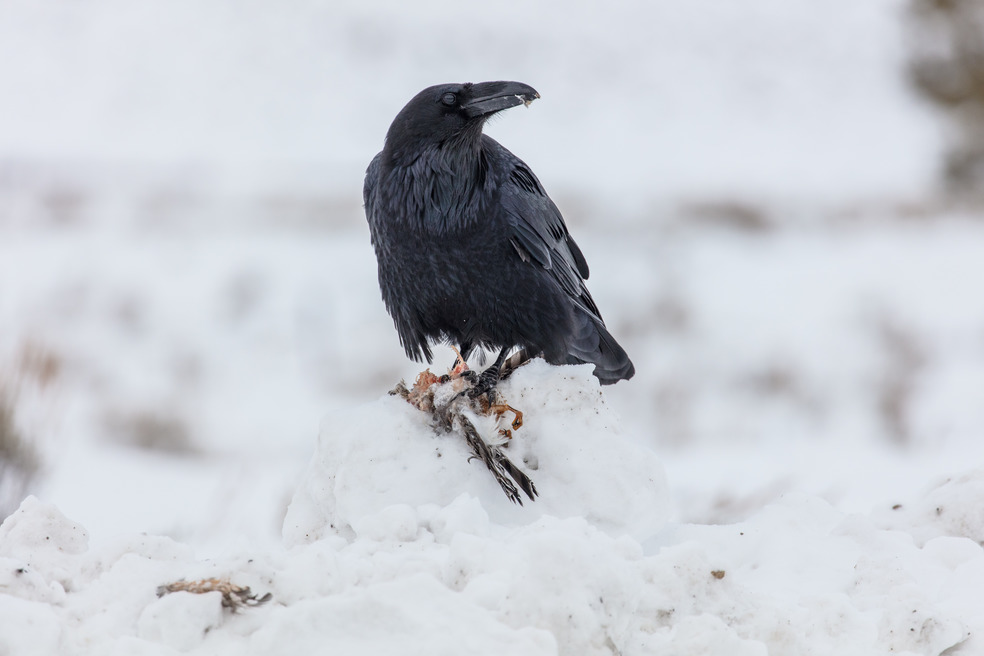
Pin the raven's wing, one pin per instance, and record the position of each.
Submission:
(540, 237)
(369, 193)
(539, 234)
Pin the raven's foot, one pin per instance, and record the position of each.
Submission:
(486, 384)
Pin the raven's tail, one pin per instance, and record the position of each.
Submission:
(591, 342)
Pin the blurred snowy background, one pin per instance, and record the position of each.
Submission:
(776, 197)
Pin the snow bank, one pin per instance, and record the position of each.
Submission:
(385, 463)
(394, 550)
(954, 508)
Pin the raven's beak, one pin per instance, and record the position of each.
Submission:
(491, 97)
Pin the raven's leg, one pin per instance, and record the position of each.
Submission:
(489, 378)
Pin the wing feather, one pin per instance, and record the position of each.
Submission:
(540, 235)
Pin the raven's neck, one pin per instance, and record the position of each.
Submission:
(440, 189)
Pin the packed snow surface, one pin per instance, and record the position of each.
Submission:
(397, 544)
(374, 457)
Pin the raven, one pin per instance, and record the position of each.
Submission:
(470, 248)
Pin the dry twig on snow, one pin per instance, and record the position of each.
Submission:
(234, 596)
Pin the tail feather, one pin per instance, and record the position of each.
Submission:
(592, 343)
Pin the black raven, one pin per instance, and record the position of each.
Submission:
(470, 248)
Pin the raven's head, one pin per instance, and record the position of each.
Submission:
(452, 112)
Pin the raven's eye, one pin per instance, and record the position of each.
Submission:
(449, 99)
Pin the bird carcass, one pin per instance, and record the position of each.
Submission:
(451, 402)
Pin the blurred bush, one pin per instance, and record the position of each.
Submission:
(19, 461)
(947, 67)
(22, 380)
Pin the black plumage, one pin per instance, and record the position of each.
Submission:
(470, 248)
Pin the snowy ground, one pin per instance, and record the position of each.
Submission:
(395, 543)
(186, 367)
(187, 293)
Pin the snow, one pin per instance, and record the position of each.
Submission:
(395, 543)
(771, 99)
(187, 292)
(382, 461)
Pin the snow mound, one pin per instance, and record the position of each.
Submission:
(395, 549)
(384, 466)
(799, 578)
(954, 508)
